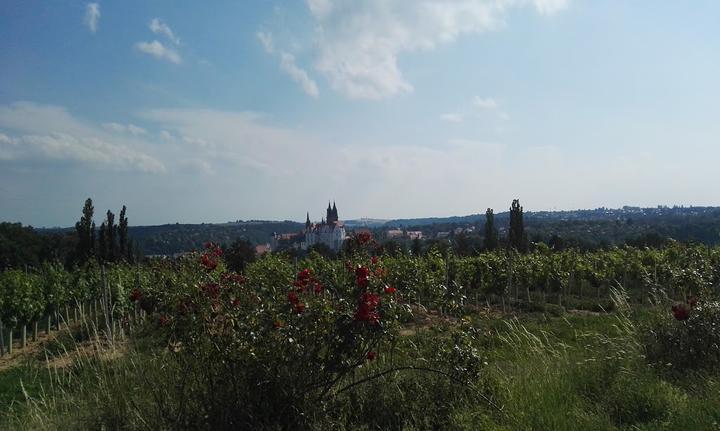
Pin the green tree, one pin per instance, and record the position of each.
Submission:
(85, 232)
(416, 247)
(123, 246)
(239, 255)
(491, 233)
(517, 237)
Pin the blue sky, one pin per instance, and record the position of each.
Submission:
(188, 112)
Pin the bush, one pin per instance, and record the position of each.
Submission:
(688, 339)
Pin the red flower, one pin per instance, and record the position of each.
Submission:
(362, 283)
(390, 290)
(304, 275)
(367, 308)
(235, 302)
(135, 295)
(213, 248)
(362, 272)
(680, 312)
(292, 297)
(212, 290)
(209, 262)
(318, 288)
(299, 308)
(277, 324)
(371, 356)
(234, 277)
(163, 320)
(363, 238)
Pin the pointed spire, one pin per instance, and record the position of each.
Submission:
(334, 212)
(307, 221)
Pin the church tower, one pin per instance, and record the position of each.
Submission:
(307, 221)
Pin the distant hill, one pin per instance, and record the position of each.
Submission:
(589, 228)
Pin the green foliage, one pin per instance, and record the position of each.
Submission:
(681, 345)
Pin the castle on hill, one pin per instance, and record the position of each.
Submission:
(330, 231)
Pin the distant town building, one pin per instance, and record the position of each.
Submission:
(394, 233)
(330, 231)
(414, 234)
(443, 234)
(261, 249)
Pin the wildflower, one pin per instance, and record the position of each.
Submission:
(374, 260)
(371, 356)
(235, 302)
(390, 290)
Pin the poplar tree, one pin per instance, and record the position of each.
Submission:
(517, 238)
(85, 232)
(111, 230)
(123, 234)
(491, 233)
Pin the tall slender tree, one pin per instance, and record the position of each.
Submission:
(102, 250)
(517, 237)
(123, 234)
(111, 231)
(491, 233)
(85, 232)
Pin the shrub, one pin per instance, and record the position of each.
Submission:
(686, 339)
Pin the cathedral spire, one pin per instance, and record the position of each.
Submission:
(334, 212)
(307, 221)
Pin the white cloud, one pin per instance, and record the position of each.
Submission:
(43, 132)
(287, 64)
(125, 128)
(267, 41)
(158, 50)
(359, 43)
(485, 103)
(92, 15)
(159, 27)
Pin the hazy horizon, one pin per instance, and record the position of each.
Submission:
(193, 113)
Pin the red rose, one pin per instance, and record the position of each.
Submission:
(318, 288)
(680, 312)
(292, 297)
(135, 295)
(362, 272)
(209, 262)
(374, 260)
(299, 308)
(367, 308)
(371, 356)
(363, 238)
(235, 302)
(163, 320)
(390, 290)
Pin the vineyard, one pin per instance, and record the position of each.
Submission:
(295, 343)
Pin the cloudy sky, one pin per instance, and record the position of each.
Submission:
(194, 111)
